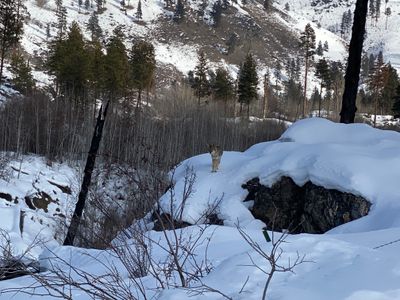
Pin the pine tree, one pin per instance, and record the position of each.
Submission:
(247, 83)
(69, 62)
(287, 7)
(79, 5)
(142, 65)
(99, 5)
(345, 25)
(22, 74)
(179, 11)
(222, 86)
(225, 4)
(320, 49)
(61, 14)
(326, 46)
(139, 11)
(116, 66)
(216, 13)
(87, 4)
(96, 67)
(377, 9)
(390, 83)
(48, 35)
(388, 12)
(307, 44)
(372, 8)
(267, 4)
(376, 83)
(202, 86)
(322, 72)
(396, 103)
(94, 27)
(11, 28)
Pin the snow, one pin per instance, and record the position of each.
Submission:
(344, 157)
(29, 175)
(330, 15)
(355, 261)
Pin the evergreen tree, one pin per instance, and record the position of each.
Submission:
(287, 7)
(225, 4)
(326, 46)
(247, 83)
(48, 35)
(216, 13)
(142, 65)
(320, 49)
(322, 72)
(11, 27)
(22, 74)
(231, 42)
(61, 14)
(267, 4)
(87, 4)
(79, 5)
(372, 8)
(139, 11)
(376, 82)
(94, 27)
(377, 9)
(307, 44)
(179, 11)
(96, 68)
(116, 66)
(396, 103)
(223, 85)
(99, 5)
(388, 12)
(390, 84)
(202, 86)
(69, 62)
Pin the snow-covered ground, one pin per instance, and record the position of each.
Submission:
(356, 261)
(28, 222)
(329, 14)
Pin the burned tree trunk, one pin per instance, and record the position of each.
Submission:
(87, 176)
(352, 77)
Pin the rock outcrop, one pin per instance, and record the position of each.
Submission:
(308, 208)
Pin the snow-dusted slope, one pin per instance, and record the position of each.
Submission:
(357, 261)
(329, 15)
(180, 50)
(35, 199)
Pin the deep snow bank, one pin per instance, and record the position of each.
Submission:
(353, 158)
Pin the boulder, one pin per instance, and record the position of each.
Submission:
(309, 208)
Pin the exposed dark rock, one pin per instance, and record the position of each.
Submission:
(28, 202)
(166, 222)
(309, 208)
(39, 200)
(65, 189)
(6, 197)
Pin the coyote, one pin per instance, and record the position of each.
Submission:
(216, 153)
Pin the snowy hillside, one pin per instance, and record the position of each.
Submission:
(178, 46)
(35, 199)
(356, 261)
(329, 15)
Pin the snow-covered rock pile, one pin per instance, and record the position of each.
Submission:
(355, 158)
(35, 199)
